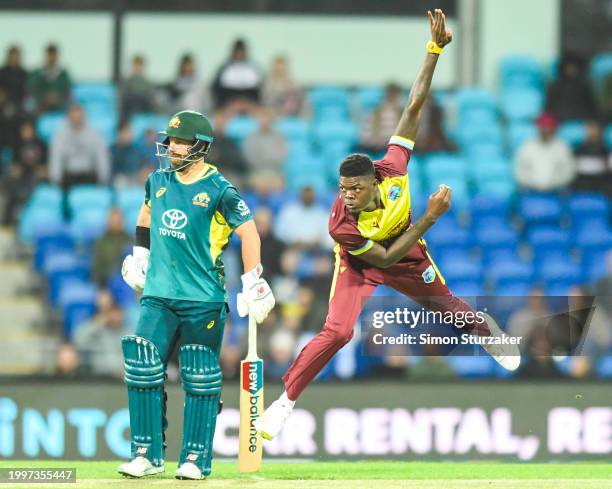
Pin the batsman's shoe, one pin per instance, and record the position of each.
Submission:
(140, 467)
(506, 354)
(189, 471)
(271, 423)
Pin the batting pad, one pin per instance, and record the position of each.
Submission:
(144, 377)
(202, 381)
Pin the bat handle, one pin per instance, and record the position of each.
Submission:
(252, 338)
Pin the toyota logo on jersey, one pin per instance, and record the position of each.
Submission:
(174, 219)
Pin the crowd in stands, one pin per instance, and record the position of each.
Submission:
(530, 167)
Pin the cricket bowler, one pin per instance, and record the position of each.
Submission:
(376, 244)
(190, 211)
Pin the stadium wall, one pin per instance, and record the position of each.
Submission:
(458, 421)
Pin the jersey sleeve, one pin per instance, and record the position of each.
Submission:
(233, 208)
(347, 236)
(395, 161)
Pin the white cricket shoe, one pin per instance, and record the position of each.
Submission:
(271, 423)
(140, 467)
(189, 471)
(507, 355)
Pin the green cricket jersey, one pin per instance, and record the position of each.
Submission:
(190, 227)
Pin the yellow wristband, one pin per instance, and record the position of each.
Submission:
(433, 48)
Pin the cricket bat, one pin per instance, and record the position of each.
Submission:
(251, 404)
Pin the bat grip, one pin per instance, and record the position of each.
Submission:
(252, 338)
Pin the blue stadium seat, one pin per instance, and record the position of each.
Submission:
(129, 198)
(144, 122)
(461, 193)
(480, 366)
(604, 367)
(573, 132)
(478, 116)
(474, 98)
(502, 189)
(123, 295)
(89, 196)
(106, 125)
(327, 131)
(483, 171)
(368, 98)
(460, 270)
(293, 128)
(540, 208)
(594, 265)
(334, 153)
(447, 233)
(520, 71)
(61, 269)
(484, 151)
(519, 133)
(494, 233)
(549, 238)
(553, 268)
(513, 287)
(88, 224)
(468, 288)
(323, 98)
(560, 288)
(492, 257)
(46, 195)
(85, 93)
(240, 127)
(36, 220)
(48, 124)
(50, 244)
(594, 237)
(77, 300)
(487, 206)
(601, 66)
(444, 165)
(520, 104)
(473, 134)
(510, 272)
(586, 206)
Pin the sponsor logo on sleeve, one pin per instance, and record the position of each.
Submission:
(243, 208)
(429, 275)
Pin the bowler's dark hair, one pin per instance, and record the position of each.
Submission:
(357, 165)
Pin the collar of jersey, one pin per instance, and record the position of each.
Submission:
(207, 171)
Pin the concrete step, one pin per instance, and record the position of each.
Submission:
(28, 354)
(8, 244)
(15, 278)
(21, 314)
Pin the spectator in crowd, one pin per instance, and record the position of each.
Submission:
(9, 123)
(29, 167)
(593, 163)
(280, 91)
(379, 125)
(304, 223)
(78, 153)
(126, 158)
(66, 361)
(13, 78)
(281, 350)
(146, 148)
(570, 95)
(137, 92)
(226, 154)
(98, 341)
(265, 151)
(431, 137)
(314, 292)
(538, 363)
(50, 85)
(187, 89)
(271, 247)
(545, 163)
(238, 80)
(108, 250)
(535, 315)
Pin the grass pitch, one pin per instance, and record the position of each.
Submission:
(346, 475)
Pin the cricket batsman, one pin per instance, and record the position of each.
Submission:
(376, 244)
(190, 211)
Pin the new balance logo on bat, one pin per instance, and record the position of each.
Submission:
(252, 380)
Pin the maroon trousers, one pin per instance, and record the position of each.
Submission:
(353, 283)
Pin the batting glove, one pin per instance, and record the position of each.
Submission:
(256, 297)
(134, 269)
